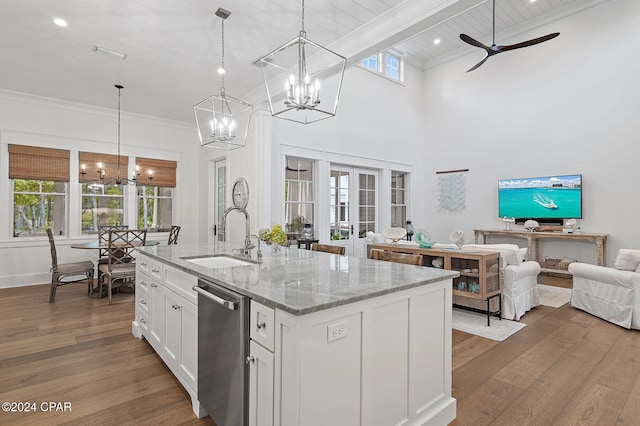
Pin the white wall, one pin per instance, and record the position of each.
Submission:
(378, 125)
(37, 121)
(566, 106)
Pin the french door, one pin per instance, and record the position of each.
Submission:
(353, 206)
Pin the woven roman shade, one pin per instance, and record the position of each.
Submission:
(164, 172)
(109, 163)
(30, 162)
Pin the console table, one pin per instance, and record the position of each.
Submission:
(479, 279)
(533, 241)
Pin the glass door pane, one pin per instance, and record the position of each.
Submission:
(339, 205)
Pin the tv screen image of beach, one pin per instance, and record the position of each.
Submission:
(552, 197)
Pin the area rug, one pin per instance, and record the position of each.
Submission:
(475, 323)
(553, 296)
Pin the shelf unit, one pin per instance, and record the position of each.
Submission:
(479, 281)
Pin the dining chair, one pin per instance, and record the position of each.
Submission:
(121, 266)
(389, 256)
(328, 248)
(103, 240)
(67, 273)
(173, 234)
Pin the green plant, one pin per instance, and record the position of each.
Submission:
(298, 223)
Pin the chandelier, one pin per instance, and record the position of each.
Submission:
(102, 171)
(293, 74)
(222, 120)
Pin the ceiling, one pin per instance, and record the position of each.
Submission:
(173, 46)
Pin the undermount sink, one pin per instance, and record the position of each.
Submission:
(219, 261)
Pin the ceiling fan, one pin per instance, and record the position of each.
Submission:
(494, 49)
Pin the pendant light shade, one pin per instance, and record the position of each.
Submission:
(303, 79)
(222, 120)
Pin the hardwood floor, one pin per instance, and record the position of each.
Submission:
(81, 351)
(565, 367)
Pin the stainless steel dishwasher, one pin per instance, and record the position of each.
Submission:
(223, 345)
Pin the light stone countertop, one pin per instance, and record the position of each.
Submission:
(301, 281)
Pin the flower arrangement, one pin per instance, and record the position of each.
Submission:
(276, 235)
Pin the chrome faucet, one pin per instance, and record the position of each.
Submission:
(248, 246)
(223, 224)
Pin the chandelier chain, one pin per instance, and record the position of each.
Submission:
(118, 170)
(224, 70)
(303, 16)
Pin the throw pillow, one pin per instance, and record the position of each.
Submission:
(627, 260)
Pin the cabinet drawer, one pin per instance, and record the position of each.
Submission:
(261, 325)
(142, 284)
(181, 283)
(148, 266)
(142, 302)
(143, 320)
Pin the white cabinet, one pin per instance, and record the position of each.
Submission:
(260, 385)
(181, 336)
(167, 316)
(261, 364)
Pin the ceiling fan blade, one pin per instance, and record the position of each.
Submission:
(478, 64)
(528, 42)
(474, 42)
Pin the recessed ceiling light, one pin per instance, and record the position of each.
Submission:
(221, 71)
(60, 22)
(436, 41)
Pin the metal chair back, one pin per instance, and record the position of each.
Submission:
(173, 235)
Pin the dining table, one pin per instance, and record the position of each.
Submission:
(96, 245)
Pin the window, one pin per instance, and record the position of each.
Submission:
(102, 205)
(39, 180)
(371, 62)
(398, 199)
(392, 66)
(38, 205)
(155, 202)
(389, 64)
(298, 196)
(155, 207)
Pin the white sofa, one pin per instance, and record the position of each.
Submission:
(519, 279)
(612, 294)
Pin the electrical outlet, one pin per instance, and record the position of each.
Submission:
(336, 331)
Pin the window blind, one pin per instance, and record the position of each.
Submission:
(164, 172)
(109, 164)
(30, 162)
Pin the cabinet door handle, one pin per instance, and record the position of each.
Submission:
(142, 302)
(261, 324)
(154, 285)
(143, 283)
(250, 359)
(143, 263)
(155, 270)
(142, 321)
(176, 307)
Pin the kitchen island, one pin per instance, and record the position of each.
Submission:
(332, 339)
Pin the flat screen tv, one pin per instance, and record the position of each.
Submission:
(547, 199)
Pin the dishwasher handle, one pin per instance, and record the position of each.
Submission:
(226, 303)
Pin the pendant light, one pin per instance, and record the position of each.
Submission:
(222, 120)
(303, 79)
(117, 179)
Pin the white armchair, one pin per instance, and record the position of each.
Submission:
(519, 279)
(612, 294)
